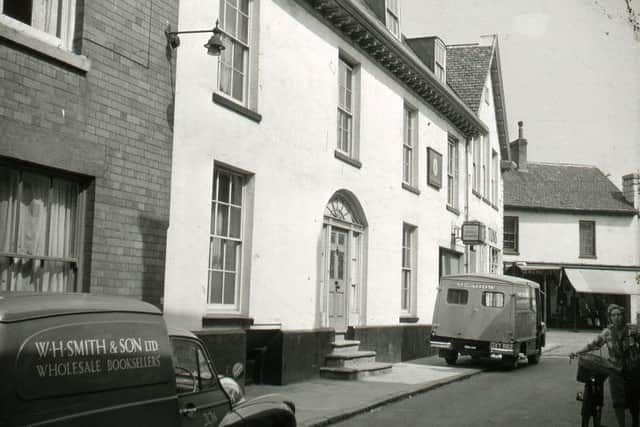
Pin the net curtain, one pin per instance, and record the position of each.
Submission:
(37, 220)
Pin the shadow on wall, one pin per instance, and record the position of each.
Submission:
(154, 240)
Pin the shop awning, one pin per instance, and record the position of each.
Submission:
(603, 281)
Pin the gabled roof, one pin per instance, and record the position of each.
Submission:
(467, 71)
(563, 187)
(468, 67)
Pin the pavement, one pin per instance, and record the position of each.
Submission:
(320, 402)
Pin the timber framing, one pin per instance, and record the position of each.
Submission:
(360, 27)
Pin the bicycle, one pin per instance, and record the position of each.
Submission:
(592, 371)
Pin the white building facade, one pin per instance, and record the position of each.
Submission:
(572, 230)
(322, 170)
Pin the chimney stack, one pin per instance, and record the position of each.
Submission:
(631, 188)
(518, 149)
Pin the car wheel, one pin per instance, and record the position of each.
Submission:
(451, 358)
(535, 358)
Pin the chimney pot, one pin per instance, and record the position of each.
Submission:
(520, 130)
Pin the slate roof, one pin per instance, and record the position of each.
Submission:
(467, 71)
(563, 187)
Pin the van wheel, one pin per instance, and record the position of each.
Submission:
(510, 362)
(535, 358)
(451, 357)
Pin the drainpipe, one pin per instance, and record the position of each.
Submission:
(467, 149)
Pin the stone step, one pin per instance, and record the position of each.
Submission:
(345, 346)
(355, 373)
(350, 360)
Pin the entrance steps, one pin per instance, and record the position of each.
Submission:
(347, 362)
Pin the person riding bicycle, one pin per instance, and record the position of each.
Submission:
(623, 344)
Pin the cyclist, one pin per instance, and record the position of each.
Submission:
(623, 344)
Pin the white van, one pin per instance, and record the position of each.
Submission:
(485, 315)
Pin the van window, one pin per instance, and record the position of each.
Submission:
(532, 296)
(193, 372)
(493, 299)
(457, 296)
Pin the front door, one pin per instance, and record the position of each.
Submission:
(338, 277)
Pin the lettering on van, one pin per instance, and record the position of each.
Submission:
(474, 285)
(87, 356)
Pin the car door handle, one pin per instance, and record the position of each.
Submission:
(189, 410)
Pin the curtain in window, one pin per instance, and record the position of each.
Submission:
(38, 223)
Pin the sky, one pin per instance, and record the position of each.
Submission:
(571, 72)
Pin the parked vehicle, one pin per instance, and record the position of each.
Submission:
(486, 315)
(87, 360)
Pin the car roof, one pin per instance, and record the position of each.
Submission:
(492, 277)
(17, 306)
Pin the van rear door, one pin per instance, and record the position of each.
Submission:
(474, 309)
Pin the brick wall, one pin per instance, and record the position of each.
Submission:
(111, 124)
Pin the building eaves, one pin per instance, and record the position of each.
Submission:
(356, 23)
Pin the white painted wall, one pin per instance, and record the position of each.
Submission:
(554, 237)
(291, 154)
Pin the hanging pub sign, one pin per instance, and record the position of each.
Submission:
(473, 233)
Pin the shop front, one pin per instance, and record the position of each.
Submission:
(577, 298)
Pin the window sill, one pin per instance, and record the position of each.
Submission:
(475, 193)
(237, 108)
(226, 320)
(23, 38)
(508, 252)
(409, 319)
(452, 209)
(353, 162)
(495, 207)
(588, 257)
(410, 188)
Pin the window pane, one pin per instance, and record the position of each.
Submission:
(223, 187)
(8, 203)
(222, 220)
(230, 20)
(236, 190)
(243, 30)
(457, 296)
(244, 6)
(225, 78)
(215, 287)
(238, 57)
(238, 88)
(229, 288)
(215, 253)
(231, 255)
(33, 214)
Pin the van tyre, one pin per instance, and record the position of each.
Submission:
(535, 358)
(451, 358)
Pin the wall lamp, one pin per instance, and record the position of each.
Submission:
(214, 45)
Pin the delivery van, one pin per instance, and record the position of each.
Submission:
(88, 360)
(490, 316)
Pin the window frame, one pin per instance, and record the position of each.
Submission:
(351, 154)
(582, 237)
(65, 27)
(516, 235)
(460, 292)
(495, 177)
(475, 156)
(393, 16)
(410, 148)
(453, 167)
(440, 60)
(76, 261)
(408, 269)
(239, 258)
(247, 47)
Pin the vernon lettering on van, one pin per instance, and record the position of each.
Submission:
(475, 285)
(68, 357)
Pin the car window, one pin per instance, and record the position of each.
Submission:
(493, 299)
(192, 370)
(457, 296)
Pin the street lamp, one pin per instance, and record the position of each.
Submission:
(214, 45)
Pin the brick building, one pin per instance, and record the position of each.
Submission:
(85, 145)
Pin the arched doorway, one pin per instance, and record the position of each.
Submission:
(343, 243)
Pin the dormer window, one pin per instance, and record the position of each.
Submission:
(393, 17)
(440, 63)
